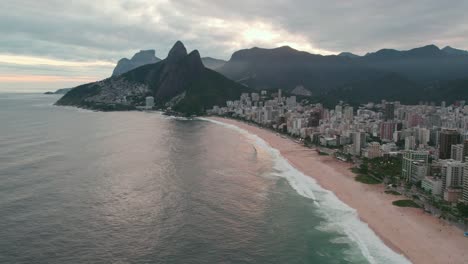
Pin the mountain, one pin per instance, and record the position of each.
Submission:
(212, 63)
(450, 91)
(180, 82)
(288, 68)
(141, 58)
(349, 55)
(391, 86)
(452, 51)
(423, 65)
(394, 87)
(60, 91)
(429, 51)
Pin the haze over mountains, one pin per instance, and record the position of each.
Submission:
(286, 68)
(145, 57)
(139, 59)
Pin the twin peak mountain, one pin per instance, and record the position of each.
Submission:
(181, 82)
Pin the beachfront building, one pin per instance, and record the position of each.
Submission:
(415, 132)
(453, 195)
(418, 171)
(452, 174)
(432, 185)
(411, 160)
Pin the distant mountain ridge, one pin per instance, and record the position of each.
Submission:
(60, 91)
(145, 57)
(349, 55)
(212, 63)
(141, 58)
(452, 51)
(422, 52)
(180, 82)
(287, 68)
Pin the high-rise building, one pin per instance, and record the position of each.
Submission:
(452, 174)
(409, 161)
(465, 183)
(339, 111)
(447, 138)
(418, 171)
(410, 143)
(291, 101)
(434, 137)
(465, 150)
(423, 135)
(433, 120)
(386, 130)
(359, 141)
(389, 111)
(457, 152)
(314, 119)
(372, 151)
(414, 120)
(349, 113)
(433, 185)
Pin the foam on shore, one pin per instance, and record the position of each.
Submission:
(340, 217)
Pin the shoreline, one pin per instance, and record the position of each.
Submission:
(421, 238)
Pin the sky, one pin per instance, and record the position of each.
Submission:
(51, 44)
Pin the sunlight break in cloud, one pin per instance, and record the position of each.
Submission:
(262, 34)
(30, 60)
(45, 78)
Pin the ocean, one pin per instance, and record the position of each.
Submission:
(78, 186)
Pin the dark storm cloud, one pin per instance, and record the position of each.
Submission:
(111, 29)
(356, 26)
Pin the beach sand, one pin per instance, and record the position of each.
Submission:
(422, 238)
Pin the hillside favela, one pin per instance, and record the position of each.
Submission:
(233, 132)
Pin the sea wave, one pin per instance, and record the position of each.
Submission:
(340, 217)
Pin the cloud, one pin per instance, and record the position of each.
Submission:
(87, 36)
(30, 60)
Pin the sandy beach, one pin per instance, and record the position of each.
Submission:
(420, 237)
